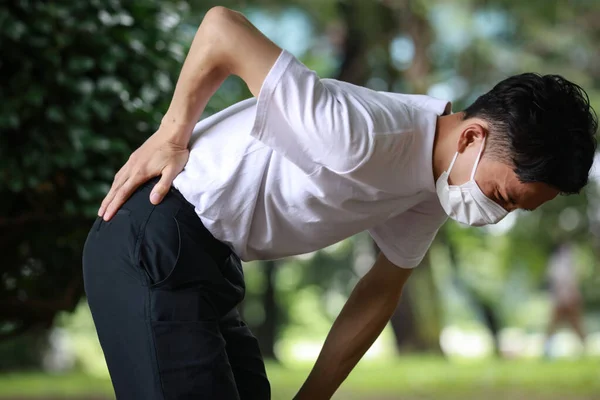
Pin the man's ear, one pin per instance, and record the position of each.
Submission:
(472, 134)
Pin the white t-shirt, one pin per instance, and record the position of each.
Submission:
(314, 161)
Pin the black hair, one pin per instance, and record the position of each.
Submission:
(544, 126)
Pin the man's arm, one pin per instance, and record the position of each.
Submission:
(226, 43)
(362, 319)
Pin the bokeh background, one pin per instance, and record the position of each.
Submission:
(84, 83)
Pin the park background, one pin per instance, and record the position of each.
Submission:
(84, 83)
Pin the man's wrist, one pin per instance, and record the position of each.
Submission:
(175, 131)
(321, 383)
(316, 392)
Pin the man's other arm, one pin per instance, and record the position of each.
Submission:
(360, 322)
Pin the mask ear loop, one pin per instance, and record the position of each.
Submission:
(477, 159)
(452, 163)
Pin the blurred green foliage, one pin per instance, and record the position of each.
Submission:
(83, 84)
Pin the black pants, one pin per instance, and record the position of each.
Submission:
(163, 294)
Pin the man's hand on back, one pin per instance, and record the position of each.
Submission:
(162, 155)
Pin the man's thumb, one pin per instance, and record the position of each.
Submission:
(159, 191)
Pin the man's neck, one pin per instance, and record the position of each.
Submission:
(444, 145)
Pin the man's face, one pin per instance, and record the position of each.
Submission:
(499, 182)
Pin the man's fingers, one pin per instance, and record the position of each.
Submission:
(162, 187)
(117, 183)
(120, 178)
(121, 196)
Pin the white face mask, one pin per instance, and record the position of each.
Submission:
(467, 203)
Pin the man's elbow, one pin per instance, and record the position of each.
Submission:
(220, 20)
(219, 29)
(219, 14)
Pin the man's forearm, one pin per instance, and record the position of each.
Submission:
(361, 321)
(201, 75)
(353, 332)
(225, 43)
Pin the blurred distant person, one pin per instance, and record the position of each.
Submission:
(304, 164)
(565, 293)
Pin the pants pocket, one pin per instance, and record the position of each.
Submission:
(189, 282)
(160, 248)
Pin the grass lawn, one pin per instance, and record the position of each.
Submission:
(410, 378)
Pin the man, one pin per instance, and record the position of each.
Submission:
(308, 163)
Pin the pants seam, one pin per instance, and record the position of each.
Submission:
(153, 351)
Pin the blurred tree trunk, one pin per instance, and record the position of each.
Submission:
(415, 24)
(267, 331)
(426, 306)
(404, 325)
(490, 318)
(368, 25)
(488, 312)
(417, 322)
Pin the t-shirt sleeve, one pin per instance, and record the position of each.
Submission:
(313, 122)
(405, 239)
